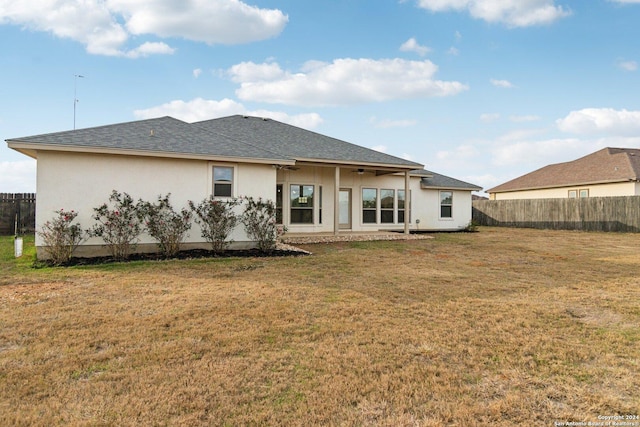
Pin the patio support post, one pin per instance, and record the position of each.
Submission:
(407, 202)
(336, 203)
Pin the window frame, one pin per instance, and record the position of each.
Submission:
(584, 191)
(386, 210)
(403, 209)
(368, 210)
(231, 183)
(301, 209)
(279, 204)
(449, 205)
(573, 194)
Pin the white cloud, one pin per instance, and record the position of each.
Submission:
(105, 26)
(18, 176)
(466, 151)
(535, 154)
(601, 120)
(412, 45)
(197, 72)
(513, 13)
(202, 109)
(627, 65)
(408, 157)
(380, 148)
(386, 123)
(344, 81)
(148, 48)
(250, 71)
(502, 83)
(453, 51)
(489, 117)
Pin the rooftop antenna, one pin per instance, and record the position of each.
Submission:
(75, 98)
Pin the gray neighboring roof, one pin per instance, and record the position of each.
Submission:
(608, 165)
(295, 142)
(233, 137)
(435, 180)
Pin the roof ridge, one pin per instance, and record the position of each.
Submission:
(235, 138)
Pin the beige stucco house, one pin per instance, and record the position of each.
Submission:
(319, 183)
(606, 173)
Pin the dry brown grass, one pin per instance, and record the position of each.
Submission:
(502, 327)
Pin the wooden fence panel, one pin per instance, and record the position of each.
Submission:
(588, 214)
(17, 212)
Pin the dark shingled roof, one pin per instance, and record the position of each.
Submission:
(604, 166)
(297, 143)
(234, 136)
(434, 180)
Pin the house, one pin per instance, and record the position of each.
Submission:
(606, 173)
(319, 183)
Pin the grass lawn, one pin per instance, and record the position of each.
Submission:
(502, 327)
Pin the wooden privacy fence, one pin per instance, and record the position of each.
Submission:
(17, 213)
(587, 214)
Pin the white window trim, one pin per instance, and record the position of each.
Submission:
(440, 217)
(234, 184)
(314, 210)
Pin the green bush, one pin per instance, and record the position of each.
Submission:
(259, 219)
(61, 237)
(217, 220)
(166, 225)
(119, 224)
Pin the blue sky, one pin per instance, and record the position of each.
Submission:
(480, 90)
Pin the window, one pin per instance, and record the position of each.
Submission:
(279, 204)
(446, 203)
(401, 207)
(386, 206)
(301, 204)
(222, 181)
(320, 204)
(573, 194)
(584, 193)
(369, 205)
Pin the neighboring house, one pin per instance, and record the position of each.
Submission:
(319, 184)
(606, 173)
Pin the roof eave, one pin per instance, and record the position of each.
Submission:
(449, 187)
(356, 163)
(31, 150)
(577, 184)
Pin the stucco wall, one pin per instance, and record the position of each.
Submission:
(84, 181)
(597, 190)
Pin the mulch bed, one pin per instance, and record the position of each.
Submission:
(282, 251)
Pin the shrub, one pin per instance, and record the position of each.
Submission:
(166, 225)
(259, 219)
(216, 219)
(61, 237)
(119, 225)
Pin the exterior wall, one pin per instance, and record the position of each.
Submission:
(425, 205)
(427, 210)
(84, 181)
(597, 190)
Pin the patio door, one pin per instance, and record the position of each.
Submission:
(344, 207)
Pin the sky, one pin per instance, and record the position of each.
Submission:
(480, 90)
